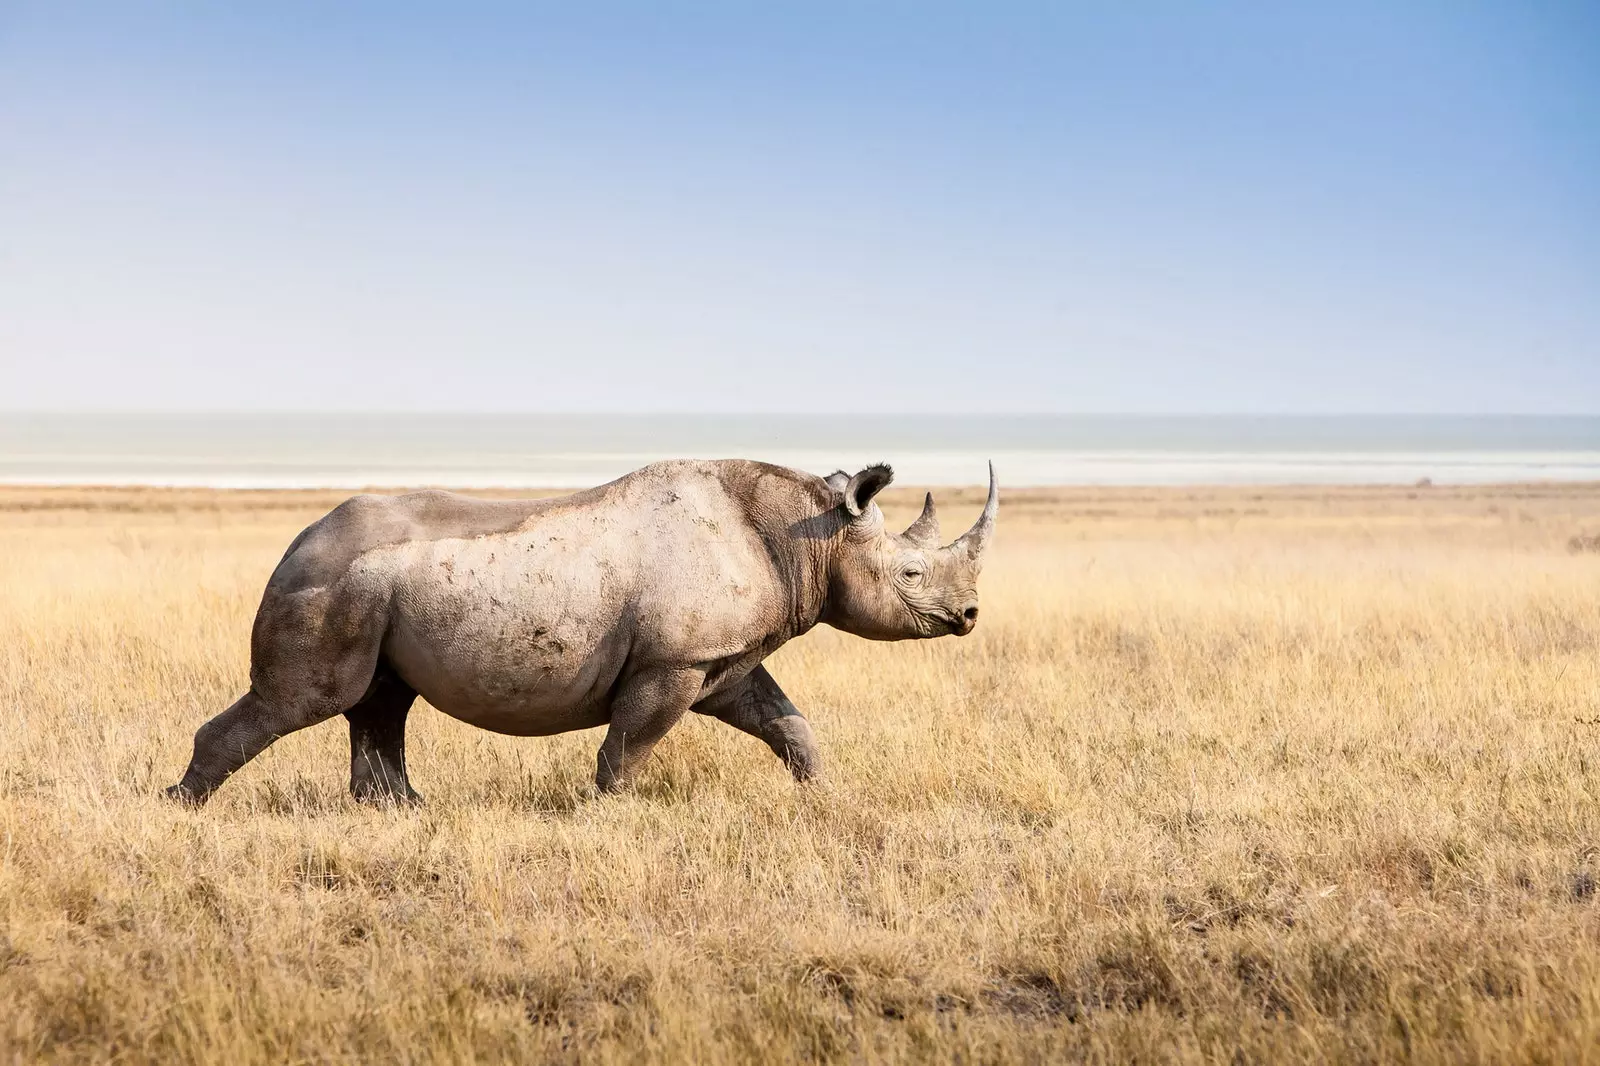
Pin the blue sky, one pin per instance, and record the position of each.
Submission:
(1159, 207)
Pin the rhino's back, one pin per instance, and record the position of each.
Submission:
(721, 491)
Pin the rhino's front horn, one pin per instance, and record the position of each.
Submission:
(976, 539)
(924, 532)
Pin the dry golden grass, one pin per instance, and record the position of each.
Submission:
(1226, 775)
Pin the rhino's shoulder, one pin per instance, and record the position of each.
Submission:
(748, 482)
(761, 496)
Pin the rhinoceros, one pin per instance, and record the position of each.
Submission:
(624, 605)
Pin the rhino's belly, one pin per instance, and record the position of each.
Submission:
(494, 687)
(527, 668)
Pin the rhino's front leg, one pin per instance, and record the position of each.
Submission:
(378, 741)
(758, 706)
(647, 705)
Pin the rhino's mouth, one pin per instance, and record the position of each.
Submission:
(962, 622)
(933, 620)
(947, 623)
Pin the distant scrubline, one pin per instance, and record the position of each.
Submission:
(1584, 542)
(628, 605)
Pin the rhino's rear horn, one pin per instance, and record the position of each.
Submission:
(924, 532)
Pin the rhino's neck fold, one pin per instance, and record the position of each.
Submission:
(811, 590)
(801, 564)
(799, 530)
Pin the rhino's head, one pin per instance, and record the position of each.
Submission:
(889, 586)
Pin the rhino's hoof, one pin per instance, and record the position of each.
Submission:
(181, 794)
(387, 797)
(805, 772)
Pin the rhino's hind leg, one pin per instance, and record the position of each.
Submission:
(756, 705)
(238, 735)
(226, 743)
(378, 741)
(313, 655)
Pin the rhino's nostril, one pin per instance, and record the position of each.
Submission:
(970, 614)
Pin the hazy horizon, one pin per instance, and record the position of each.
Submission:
(307, 449)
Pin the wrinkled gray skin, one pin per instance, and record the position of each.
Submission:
(625, 605)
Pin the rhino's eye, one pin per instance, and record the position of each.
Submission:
(912, 573)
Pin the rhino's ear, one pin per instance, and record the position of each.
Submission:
(837, 480)
(860, 490)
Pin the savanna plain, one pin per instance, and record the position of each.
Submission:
(1256, 775)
